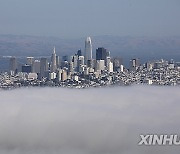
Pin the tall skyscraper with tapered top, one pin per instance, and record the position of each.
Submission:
(88, 50)
(53, 61)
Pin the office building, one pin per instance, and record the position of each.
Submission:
(53, 61)
(58, 63)
(100, 65)
(79, 52)
(36, 66)
(27, 68)
(13, 64)
(30, 60)
(43, 67)
(101, 54)
(88, 50)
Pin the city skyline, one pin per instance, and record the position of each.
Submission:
(89, 76)
(81, 70)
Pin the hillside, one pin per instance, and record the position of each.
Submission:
(126, 47)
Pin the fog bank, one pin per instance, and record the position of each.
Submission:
(89, 121)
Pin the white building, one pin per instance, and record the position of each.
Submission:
(31, 76)
(110, 67)
(64, 75)
(100, 65)
(121, 68)
(52, 76)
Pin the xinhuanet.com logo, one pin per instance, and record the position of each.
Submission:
(159, 140)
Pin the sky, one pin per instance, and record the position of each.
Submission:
(81, 18)
(88, 121)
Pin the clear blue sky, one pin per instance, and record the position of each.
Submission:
(80, 18)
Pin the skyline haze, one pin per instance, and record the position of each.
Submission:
(81, 18)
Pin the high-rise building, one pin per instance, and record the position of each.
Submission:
(43, 67)
(108, 60)
(90, 63)
(71, 68)
(101, 54)
(81, 60)
(80, 63)
(59, 72)
(79, 53)
(64, 75)
(100, 65)
(27, 68)
(110, 67)
(121, 68)
(53, 61)
(134, 64)
(58, 64)
(30, 60)
(117, 62)
(88, 50)
(75, 62)
(36, 66)
(13, 64)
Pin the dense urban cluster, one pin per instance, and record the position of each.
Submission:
(82, 71)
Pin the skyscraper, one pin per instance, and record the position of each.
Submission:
(30, 60)
(134, 64)
(79, 53)
(36, 66)
(101, 54)
(100, 65)
(43, 67)
(53, 61)
(27, 68)
(58, 62)
(13, 64)
(117, 63)
(88, 50)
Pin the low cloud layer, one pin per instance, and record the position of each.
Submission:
(90, 121)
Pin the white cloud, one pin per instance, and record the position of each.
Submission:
(89, 121)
